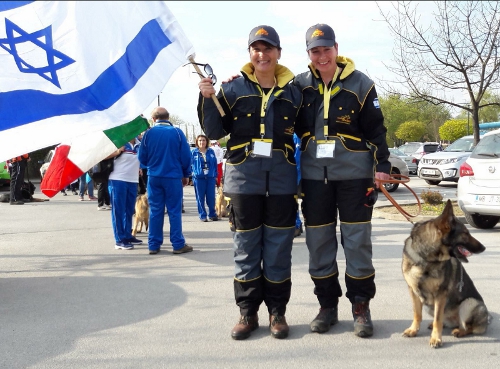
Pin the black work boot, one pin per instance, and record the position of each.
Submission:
(363, 326)
(278, 326)
(326, 318)
(245, 326)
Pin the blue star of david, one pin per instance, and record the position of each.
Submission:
(49, 72)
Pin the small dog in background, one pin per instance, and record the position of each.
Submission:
(432, 267)
(221, 203)
(141, 214)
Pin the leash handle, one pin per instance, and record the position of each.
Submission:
(402, 180)
(214, 98)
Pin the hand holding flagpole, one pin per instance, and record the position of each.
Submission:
(214, 98)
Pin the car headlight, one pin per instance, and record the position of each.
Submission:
(451, 160)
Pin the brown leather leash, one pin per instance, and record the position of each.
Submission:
(402, 180)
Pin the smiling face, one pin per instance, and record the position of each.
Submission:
(264, 57)
(323, 59)
(201, 142)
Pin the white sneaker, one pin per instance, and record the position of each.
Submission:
(102, 208)
(124, 246)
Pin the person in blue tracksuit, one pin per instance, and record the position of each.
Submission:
(204, 166)
(167, 155)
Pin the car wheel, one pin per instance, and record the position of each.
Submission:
(481, 221)
(391, 187)
(435, 183)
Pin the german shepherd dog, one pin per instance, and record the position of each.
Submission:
(432, 267)
(141, 214)
(220, 203)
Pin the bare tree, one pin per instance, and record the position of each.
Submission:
(457, 52)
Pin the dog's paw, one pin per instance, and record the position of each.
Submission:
(457, 332)
(435, 342)
(410, 332)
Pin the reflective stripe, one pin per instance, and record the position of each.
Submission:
(239, 146)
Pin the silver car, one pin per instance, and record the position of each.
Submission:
(445, 165)
(398, 166)
(410, 161)
(478, 190)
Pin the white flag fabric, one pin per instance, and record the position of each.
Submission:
(73, 67)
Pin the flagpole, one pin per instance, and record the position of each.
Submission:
(214, 98)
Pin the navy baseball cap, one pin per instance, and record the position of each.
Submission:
(320, 35)
(264, 33)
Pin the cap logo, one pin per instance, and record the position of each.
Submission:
(261, 31)
(317, 33)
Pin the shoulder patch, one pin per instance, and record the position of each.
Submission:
(376, 104)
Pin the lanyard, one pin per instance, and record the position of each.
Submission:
(326, 101)
(204, 159)
(263, 107)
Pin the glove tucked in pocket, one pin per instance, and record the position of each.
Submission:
(371, 197)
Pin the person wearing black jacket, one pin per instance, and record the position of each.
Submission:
(260, 178)
(17, 169)
(103, 200)
(343, 151)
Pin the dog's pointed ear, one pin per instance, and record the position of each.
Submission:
(448, 209)
(447, 216)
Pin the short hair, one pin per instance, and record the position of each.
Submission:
(200, 136)
(160, 113)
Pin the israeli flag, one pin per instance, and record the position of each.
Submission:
(73, 67)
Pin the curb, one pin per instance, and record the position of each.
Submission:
(399, 217)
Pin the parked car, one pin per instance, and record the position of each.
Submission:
(410, 161)
(4, 174)
(445, 165)
(419, 149)
(398, 166)
(478, 190)
(45, 163)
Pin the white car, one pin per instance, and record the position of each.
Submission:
(478, 190)
(445, 165)
(419, 149)
(45, 163)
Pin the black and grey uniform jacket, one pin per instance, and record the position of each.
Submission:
(355, 123)
(241, 100)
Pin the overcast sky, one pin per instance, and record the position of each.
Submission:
(219, 32)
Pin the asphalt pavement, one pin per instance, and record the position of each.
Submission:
(70, 300)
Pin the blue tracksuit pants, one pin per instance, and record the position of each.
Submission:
(204, 189)
(122, 198)
(165, 192)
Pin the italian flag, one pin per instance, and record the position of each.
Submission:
(71, 160)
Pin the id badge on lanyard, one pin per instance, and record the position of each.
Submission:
(263, 147)
(326, 148)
